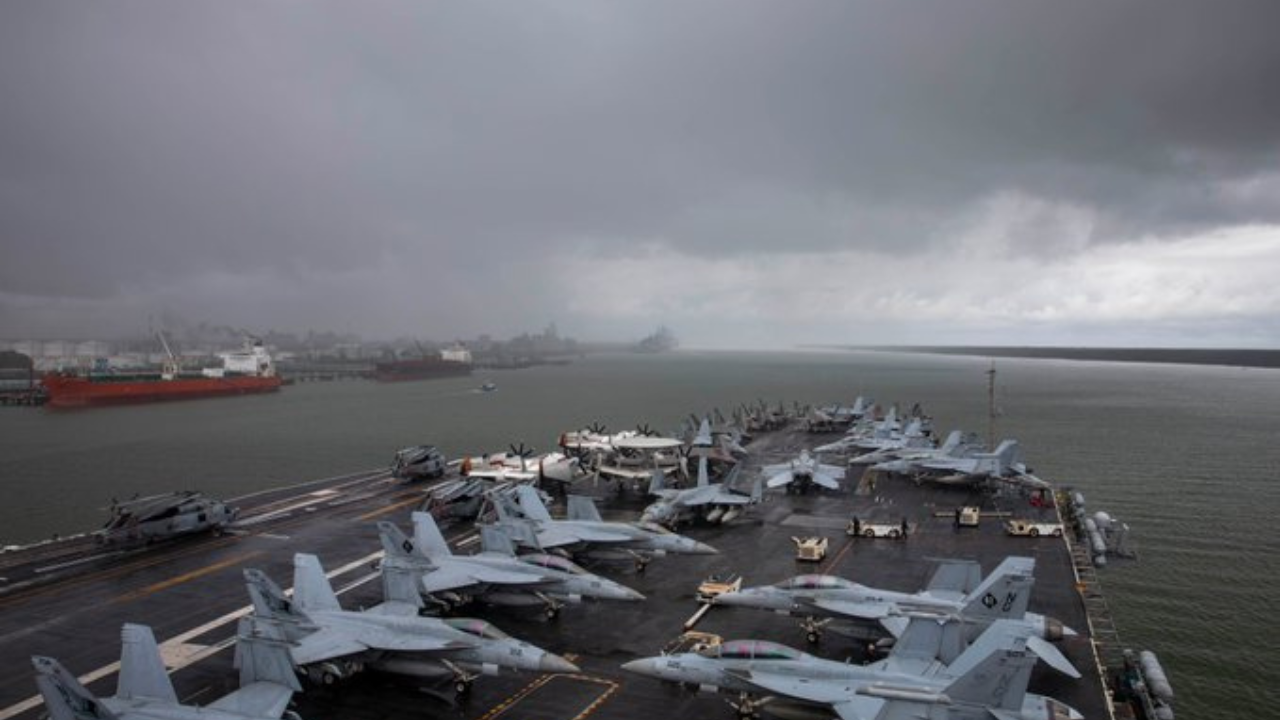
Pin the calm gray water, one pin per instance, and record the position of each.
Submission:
(1188, 456)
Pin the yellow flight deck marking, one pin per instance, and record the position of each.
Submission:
(94, 675)
(610, 688)
(390, 508)
(186, 577)
(840, 555)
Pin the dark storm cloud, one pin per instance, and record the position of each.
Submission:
(146, 147)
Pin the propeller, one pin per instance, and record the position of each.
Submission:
(645, 430)
(597, 427)
(522, 452)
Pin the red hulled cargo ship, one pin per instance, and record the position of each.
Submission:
(249, 371)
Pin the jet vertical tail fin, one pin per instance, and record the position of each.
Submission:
(703, 478)
(504, 507)
(394, 542)
(64, 696)
(951, 444)
(269, 601)
(531, 504)
(142, 673)
(262, 654)
(427, 538)
(311, 589)
(582, 507)
(495, 540)
(1005, 593)
(998, 681)
(401, 585)
(1006, 454)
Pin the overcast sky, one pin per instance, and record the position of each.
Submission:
(751, 174)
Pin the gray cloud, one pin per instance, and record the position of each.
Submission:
(363, 162)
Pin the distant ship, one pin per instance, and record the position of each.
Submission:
(450, 362)
(660, 341)
(248, 371)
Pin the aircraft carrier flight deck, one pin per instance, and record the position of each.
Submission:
(68, 601)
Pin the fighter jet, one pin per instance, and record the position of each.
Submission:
(907, 461)
(584, 531)
(718, 503)
(144, 692)
(990, 676)
(1004, 464)
(331, 643)
(495, 576)
(802, 473)
(1004, 594)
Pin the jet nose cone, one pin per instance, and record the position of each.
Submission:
(551, 663)
(1068, 632)
(643, 666)
(704, 549)
(629, 594)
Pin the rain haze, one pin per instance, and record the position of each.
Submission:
(750, 174)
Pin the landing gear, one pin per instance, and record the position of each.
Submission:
(746, 707)
(812, 628)
(462, 687)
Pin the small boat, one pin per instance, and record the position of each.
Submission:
(488, 387)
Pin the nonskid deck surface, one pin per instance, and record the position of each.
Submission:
(192, 592)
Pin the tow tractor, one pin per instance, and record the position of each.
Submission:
(812, 548)
(1031, 528)
(894, 531)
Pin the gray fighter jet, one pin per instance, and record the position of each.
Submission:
(988, 679)
(715, 503)
(495, 576)
(1003, 595)
(802, 473)
(331, 643)
(1004, 464)
(907, 461)
(584, 531)
(144, 692)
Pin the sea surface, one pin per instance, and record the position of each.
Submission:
(1187, 455)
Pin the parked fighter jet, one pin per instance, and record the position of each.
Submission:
(1003, 464)
(160, 517)
(495, 576)
(802, 473)
(906, 461)
(331, 643)
(144, 692)
(586, 532)
(990, 676)
(718, 503)
(1004, 594)
(883, 448)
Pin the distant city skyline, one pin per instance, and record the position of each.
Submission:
(750, 174)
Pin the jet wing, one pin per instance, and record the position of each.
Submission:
(328, 644)
(257, 699)
(594, 535)
(811, 690)
(775, 469)
(826, 480)
(780, 479)
(452, 577)
(866, 611)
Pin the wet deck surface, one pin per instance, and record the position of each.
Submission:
(191, 593)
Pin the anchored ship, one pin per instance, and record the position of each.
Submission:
(452, 361)
(243, 372)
